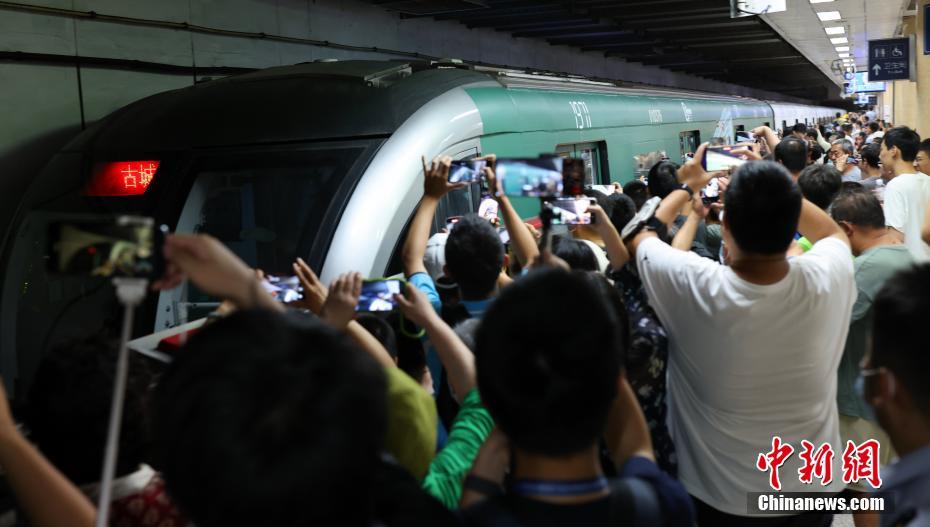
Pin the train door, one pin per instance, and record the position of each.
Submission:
(594, 155)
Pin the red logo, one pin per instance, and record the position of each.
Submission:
(859, 462)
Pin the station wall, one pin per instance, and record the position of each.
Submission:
(44, 103)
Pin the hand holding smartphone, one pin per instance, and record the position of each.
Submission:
(466, 171)
(378, 295)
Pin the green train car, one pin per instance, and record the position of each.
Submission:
(322, 161)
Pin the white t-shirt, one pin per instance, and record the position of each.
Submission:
(748, 362)
(906, 198)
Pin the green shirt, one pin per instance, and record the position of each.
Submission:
(873, 268)
(471, 427)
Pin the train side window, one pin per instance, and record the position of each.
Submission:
(767, 124)
(689, 141)
(594, 155)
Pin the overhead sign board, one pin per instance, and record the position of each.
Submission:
(741, 8)
(891, 59)
(860, 84)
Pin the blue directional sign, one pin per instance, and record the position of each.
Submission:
(890, 59)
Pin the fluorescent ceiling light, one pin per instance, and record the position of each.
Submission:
(835, 30)
(839, 40)
(828, 16)
(842, 48)
(844, 55)
(820, 1)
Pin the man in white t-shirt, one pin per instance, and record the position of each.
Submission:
(907, 194)
(754, 345)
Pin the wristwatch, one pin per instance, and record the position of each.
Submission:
(641, 219)
(688, 189)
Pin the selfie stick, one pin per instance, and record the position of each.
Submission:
(130, 292)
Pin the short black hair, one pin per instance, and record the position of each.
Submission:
(68, 408)
(763, 205)
(871, 154)
(815, 151)
(474, 256)
(548, 379)
(899, 331)
(637, 191)
(874, 126)
(792, 152)
(924, 147)
(663, 179)
(820, 184)
(263, 419)
(380, 329)
(800, 128)
(623, 211)
(907, 141)
(858, 207)
(577, 254)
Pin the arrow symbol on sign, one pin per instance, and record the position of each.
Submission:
(877, 69)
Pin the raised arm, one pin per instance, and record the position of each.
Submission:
(627, 433)
(684, 238)
(339, 312)
(435, 186)
(616, 251)
(521, 239)
(691, 174)
(215, 270)
(456, 358)
(770, 136)
(46, 496)
(816, 225)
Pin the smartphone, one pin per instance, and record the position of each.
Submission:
(488, 208)
(541, 177)
(711, 192)
(718, 158)
(378, 295)
(106, 246)
(745, 137)
(573, 211)
(466, 171)
(283, 288)
(572, 176)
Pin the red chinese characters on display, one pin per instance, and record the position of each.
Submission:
(121, 178)
(861, 462)
(817, 464)
(774, 459)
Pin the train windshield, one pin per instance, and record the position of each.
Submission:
(268, 208)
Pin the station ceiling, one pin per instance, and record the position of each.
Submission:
(696, 37)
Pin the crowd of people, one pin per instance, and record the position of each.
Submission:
(637, 370)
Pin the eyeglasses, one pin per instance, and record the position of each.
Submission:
(871, 372)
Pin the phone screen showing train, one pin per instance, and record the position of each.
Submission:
(718, 158)
(378, 295)
(572, 211)
(540, 177)
(124, 246)
(283, 288)
(466, 171)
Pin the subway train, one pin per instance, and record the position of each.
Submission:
(322, 161)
